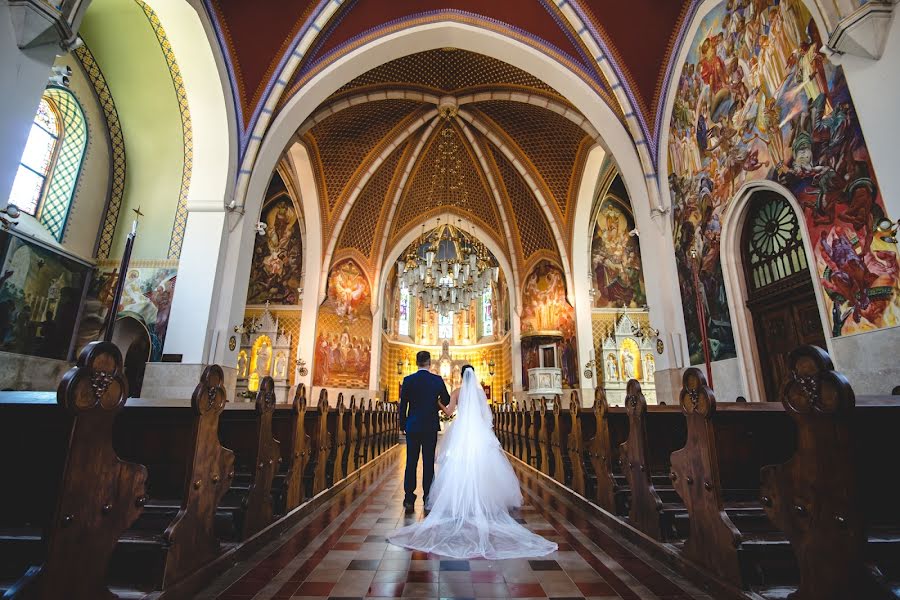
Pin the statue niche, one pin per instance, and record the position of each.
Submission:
(265, 351)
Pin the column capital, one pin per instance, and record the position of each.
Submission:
(38, 23)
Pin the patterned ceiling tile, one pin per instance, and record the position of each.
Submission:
(422, 194)
(343, 140)
(360, 227)
(449, 71)
(532, 228)
(552, 143)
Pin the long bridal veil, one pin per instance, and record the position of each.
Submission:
(472, 493)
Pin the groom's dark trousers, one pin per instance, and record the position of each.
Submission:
(419, 396)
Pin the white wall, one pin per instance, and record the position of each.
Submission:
(875, 87)
(23, 77)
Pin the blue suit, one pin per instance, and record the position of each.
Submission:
(419, 397)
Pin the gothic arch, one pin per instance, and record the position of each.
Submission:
(734, 218)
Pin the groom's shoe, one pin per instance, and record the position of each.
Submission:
(409, 505)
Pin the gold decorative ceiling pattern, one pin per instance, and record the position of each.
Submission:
(552, 143)
(550, 148)
(476, 198)
(362, 222)
(534, 232)
(345, 139)
(449, 71)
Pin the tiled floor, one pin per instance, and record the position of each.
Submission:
(340, 552)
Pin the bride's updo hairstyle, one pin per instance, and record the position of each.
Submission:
(462, 373)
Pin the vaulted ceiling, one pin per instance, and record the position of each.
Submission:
(375, 146)
(637, 37)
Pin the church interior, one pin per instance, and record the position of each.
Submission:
(662, 232)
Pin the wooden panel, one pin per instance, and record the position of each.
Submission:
(645, 504)
(575, 444)
(713, 539)
(191, 538)
(299, 455)
(601, 456)
(814, 496)
(259, 507)
(100, 495)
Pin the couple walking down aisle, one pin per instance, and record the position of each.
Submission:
(469, 501)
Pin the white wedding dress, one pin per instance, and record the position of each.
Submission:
(472, 493)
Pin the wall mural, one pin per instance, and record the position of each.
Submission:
(757, 100)
(39, 295)
(344, 325)
(616, 259)
(147, 297)
(545, 308)
(276, 274)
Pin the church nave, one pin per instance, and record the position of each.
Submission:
(339, 551)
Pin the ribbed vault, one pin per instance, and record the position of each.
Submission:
(374, 144)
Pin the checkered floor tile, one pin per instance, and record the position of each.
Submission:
(340, 552)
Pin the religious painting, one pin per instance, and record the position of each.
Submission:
(146, 297)
(40, 291)
(344, 338)
(756, 100)
(616, 258)
(277, 268)
(545, 308)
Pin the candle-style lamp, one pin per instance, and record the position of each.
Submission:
(123, 270)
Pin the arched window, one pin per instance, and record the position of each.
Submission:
(403, 321)
(445, 326)
(487, 312)
(51, 162)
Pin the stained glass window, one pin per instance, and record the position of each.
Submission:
(445, 326)
(403, 324)
(34, 167)
(51, 164)
(774, 246)
(487, 313)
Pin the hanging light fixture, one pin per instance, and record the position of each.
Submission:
(446, 267)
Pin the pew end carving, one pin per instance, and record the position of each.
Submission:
(100, 495)
(813, 497)
(600, 455)
(294, 488)
(713, 540)
(259, 505)
(575, 444)
(645, 504)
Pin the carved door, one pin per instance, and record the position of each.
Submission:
(781, 298)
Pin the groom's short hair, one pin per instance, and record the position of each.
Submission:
(423, 358)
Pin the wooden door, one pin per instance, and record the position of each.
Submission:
(781, 299)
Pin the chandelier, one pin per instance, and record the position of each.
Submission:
(447, 268)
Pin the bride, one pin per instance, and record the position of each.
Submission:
(474, 489)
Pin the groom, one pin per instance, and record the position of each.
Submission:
(419, 396)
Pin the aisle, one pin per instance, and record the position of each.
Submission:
(340, 552)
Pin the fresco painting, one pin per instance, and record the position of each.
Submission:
(616, 259)
(344, 330)
(757, 99)
(147, 297)
(277, 268)
(39, 295)
(545, 308)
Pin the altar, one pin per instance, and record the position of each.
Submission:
(265, 350)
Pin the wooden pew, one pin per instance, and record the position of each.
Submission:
(189, 474)
(295, 450)
(98, 495)
(534, 451)
(545, 454)
(645, 504)
(816, 497)
(260, 509)
(320, 444)
(558, 438)
(338, 433)
(600, 454)
(575, 445)
(352, 435)
(362, 446)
